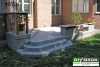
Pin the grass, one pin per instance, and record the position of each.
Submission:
(88, 47)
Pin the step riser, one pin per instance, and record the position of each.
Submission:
(45, 48)
(42, 53)
(61, 46)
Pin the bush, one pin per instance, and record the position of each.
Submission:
(76, 18)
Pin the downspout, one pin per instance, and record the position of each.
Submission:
(61, 13)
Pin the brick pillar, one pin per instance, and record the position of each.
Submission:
(10, 6)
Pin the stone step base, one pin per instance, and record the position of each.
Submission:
(46, 49)
(3, 43)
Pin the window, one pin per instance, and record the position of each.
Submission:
(81, 6)
(1, 6)
(21, 22)
(98, 5)
(56, 7)
(25, 6)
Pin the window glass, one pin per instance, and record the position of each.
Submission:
(26, 8)
(75, 5)
(26, 1)
(81, 6)
(20, 1)
(98, 5)
(20, 7)
(57, 10)
(86, 5)
(0, 6)
(53, 10)
(57, 2)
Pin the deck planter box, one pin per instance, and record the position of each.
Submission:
(87, 27)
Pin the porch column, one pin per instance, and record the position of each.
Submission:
(44, 13)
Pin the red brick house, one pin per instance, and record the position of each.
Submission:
(53, 12)
(44, 13)
(87, 8)
(58, 12)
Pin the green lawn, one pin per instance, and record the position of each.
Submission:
(89, 47)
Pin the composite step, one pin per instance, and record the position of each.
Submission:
(43, 47)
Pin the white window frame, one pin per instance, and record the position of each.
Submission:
(55, 6)
(23, 5)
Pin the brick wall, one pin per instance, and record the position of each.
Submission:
(97, 16)
(67, 11)
(65, 17)
(56, 20)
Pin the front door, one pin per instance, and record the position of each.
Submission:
(2, 28)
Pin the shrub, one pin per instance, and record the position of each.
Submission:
(91, 20)
(76, 18)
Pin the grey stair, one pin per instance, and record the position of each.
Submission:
(44, 47)
(41, 45)
(38, 43)
(43, 52)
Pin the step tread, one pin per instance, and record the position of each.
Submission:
(45, 48)
(44, 45)
(61, 36)
(44, 41)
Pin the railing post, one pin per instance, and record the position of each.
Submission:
(26, 23)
